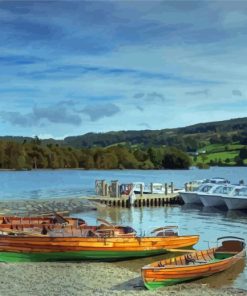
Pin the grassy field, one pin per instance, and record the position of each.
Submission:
(219, 153)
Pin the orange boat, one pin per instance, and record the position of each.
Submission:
(195, 265)
(51, 219)
(70, 243)
(75, 226)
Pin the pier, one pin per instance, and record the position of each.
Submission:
(140, 201)
(123, 195)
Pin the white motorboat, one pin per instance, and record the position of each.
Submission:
(237, 200)
(213, 198)
(191, 197)
(154, 188)
(199, 186)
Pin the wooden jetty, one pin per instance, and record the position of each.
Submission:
(153, 200)
(110, 195)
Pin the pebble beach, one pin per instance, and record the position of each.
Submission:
(87, 278)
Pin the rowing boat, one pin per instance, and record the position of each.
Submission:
(195, 265)
(54, 218)
(58, 224)
(58, 245)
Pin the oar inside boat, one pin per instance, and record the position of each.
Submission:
(166, 231)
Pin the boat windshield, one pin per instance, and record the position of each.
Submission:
(223, 189)
(240, 191)
(205, 188)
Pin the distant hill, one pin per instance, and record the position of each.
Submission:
(190, 138)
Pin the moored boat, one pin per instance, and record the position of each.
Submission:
(76, 246)
(54, 218)
(213, 198)
(237, 200)
(194, 265)
(200, 186)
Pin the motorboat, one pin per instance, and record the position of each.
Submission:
(237, 200)
(191, 196)
(153, 188)
(213, 198)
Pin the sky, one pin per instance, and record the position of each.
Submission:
(73, 67)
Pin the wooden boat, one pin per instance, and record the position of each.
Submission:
(195, 265)
(68, 226)
(51, 219)
(84, 243)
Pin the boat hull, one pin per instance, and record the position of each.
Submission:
(211, 200)
(76, 256)
(190, 197)
(27, 248)
(155, 276)
(234, 203)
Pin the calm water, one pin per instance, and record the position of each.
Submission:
(208, 223)
(71, 183)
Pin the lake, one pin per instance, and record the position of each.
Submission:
(208, 223)
(38, 184)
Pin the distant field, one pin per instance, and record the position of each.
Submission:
(225, 153)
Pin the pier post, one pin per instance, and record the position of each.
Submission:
(103, 184)
(166, 189)
(141, 189)
(115, 188)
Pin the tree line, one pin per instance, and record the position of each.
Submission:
(37, 155)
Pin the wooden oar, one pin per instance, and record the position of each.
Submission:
(163, 228)
(182, 250)
(105, 222)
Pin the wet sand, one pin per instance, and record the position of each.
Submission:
(87, 278)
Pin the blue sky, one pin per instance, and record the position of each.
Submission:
(72, 67)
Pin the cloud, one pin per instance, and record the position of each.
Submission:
(97, 112)
(150, 96)
(57, 114)
(155, 95)
(198, 92)
(237, 92)
(16, 118)
(139, 95)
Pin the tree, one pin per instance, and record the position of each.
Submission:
(176, 159)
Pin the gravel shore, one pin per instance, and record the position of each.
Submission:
(87, 278)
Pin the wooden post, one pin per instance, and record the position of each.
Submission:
(103, 183)
(115, 188)
(166, 189)
(141, 189)
(106, 189)
(152, 188)
(172, 187)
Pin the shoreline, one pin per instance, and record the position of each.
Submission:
(89, 278)
(43, 206)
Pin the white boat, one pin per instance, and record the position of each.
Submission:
(213, 198)
(199, 186)
(238, 199)
(157, 188)
(191, 197)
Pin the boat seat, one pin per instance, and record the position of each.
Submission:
(189, 259)
(160, 264)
